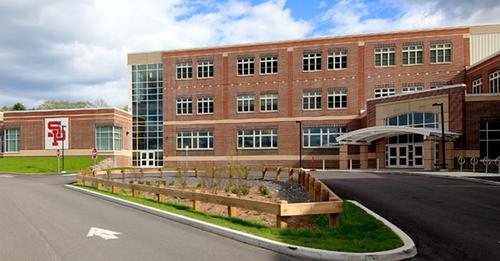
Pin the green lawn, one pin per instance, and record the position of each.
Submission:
(43, 165)
(358, 231)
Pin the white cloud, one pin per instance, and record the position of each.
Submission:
(77, 49)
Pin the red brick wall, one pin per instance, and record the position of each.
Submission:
(482, 70)
(475, 111)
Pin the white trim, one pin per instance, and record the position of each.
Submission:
(72, 109)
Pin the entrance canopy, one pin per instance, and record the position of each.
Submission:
(367, 135)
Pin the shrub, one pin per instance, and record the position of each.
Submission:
(264, 190)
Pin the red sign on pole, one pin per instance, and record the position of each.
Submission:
(58, 153)
(94, 153)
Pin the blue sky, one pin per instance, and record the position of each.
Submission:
(76, 50)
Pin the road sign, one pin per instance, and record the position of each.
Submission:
(94, 153)
(58, 153)
(103, 233)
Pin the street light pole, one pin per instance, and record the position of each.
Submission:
(443, 149)
(64, 135)
(300, 143)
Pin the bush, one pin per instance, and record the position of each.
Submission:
(264, 190)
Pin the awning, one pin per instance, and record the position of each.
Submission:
(367, 135)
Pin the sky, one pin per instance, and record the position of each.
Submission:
(77, 50)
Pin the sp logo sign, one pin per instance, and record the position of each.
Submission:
(56, 133)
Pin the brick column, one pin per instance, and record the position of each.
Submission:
(450, 159)
(380, 149)
(428, 154)
(343, 156)
(363, 156)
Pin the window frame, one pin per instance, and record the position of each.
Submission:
(416, 50)
(247, 100)
(381, 51)
(306, 137)
(248, 64)
(343, 58)
(267, 99)
(309, 95)
(269, 62)
(313, 56)
(477, 86)
(194, 137)
(440, 48)
(185, 68)
(390, 91)
(206, 103)
(494, 82)
(205, 67)
(335, 94)
(9, 137)
(115, 138)
(186, 104)
(257, 135)
(412, 89)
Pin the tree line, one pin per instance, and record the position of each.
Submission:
(59, 104)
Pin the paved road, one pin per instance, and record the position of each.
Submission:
(448, 219)
(42, 220)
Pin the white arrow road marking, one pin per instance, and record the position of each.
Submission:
(103, 233)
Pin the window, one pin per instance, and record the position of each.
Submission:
(414, 119)
(184, 70)
(311, 100)
(246, 66)
(195, 140)
(246, 103)
(337, 60)
(205, 105)
(205, 69)
(385, 56)
(477, 85)
(413, 54)
(411, 89)
(441, 53)
(312, 62)
(269, 102)
(494, 86)
(108, 138)
(12, 140)
(322, 137)
(269, 65)
(337, 99)
(184, 106)
(258, 139)
(435, 85)
(489, 138)
(383, 92)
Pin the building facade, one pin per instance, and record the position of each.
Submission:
(41, 133)
(267, 103)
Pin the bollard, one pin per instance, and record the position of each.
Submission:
(378, 164)
(474, 162)
(350, 164)
(497, 162)
(486, 162)
(323, 164)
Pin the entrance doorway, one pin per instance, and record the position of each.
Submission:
(405, 151)
(147, 158)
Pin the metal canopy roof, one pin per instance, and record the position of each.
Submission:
(367, 135)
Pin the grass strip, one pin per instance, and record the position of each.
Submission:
(358, 231)
(44, 165)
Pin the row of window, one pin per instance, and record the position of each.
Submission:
(311, 100)
(407, 88)
(107, 138)
(315, 137)
(414, 119)
(494, 83)
(312, 61)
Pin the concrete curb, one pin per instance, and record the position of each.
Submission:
(471, 179)
(408, 250)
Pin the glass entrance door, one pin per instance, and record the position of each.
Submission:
(147, 158)
(404, 152)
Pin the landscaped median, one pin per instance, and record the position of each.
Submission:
(44, 165)
(323, 229)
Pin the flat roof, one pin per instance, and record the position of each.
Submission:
(72, 109)
(322, 38)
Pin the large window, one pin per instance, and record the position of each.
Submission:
(311, 100)
(11, 140)
(477, 85)
(337, 60)
(246, 66)
(413, 54)
(246, 103)
(414, 119)
(205, 69)
(184, 70)
(108, 138)
(269, 102)
(311, 62)
(322, 137)
(413, 87)
(206, 105)
(385, 56)
(195, 140)
(489, 138)
(184, 106)
(337, 98)
(258, 139)
(440, 53)
(494, 82)
(269, 64)
(383, 92)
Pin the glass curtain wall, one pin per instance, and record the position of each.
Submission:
(147, 114)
